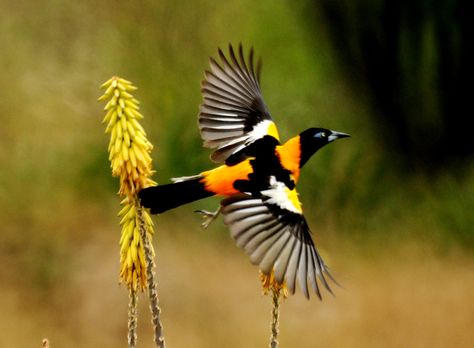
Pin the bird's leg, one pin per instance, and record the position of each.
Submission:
(208, 216)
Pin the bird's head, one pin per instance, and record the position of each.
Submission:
(312, 139)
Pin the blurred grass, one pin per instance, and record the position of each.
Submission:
(211, 297)
(57, 204)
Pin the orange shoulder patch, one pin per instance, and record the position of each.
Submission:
(221, 180)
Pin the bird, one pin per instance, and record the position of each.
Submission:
(256, 175)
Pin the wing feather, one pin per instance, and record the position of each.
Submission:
(274, 251)
(233, 114)
(276, 238)
(281, 265)
(257, 256)
(260, 235)
(293, 267)
(303, 271)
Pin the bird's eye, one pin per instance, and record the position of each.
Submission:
(320, 135)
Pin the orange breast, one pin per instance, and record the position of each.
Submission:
(221, 179)
(290, 154)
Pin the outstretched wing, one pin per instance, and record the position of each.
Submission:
(274, 234)
(233, 113)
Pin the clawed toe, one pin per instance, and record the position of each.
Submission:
(208, 216)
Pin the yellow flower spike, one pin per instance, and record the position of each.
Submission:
(121, 103)
(132, 133)
(133, 159)
(129, 278)
(129, 261)
(113, 136)
(136, 238)
(123, 121)
(133, 253)
(108, 115)
(138, 127)
(129, 155)
(106, 84)
(124, 247)
(130, 88)
(124, 210)
(109, 90)
(126, 95)
(128, 112)
(139, 141)
(138, 153)
(122, 80)
(138, 115)
(125, 152)
(141, 256)
(121, 87)
(125, 237)
(117, 145)
(130, 160)
(134, 281)
(119, 131)
(132, 106)
(148, 219)
(126, 137)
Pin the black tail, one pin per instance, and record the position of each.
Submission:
(165, 197)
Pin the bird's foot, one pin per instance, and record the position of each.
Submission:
(208, 216)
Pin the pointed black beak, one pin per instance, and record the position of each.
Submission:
(337, 135)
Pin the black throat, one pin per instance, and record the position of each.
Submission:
(309, 145)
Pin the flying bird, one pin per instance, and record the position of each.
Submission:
(257, 175)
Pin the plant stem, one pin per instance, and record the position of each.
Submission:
(132, 318)
(152, 288)
(275, 317)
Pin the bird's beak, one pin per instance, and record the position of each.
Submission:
(337, 135)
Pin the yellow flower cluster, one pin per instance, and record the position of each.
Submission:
(132, 253)
(129, 155)
(129, 149)
(269, 283)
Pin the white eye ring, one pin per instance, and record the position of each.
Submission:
(323, 134)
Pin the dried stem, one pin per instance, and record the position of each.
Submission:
(152, 288)
(275, 317)
(132, 318)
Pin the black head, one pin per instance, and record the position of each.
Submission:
(313, 139)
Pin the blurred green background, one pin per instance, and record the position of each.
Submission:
(391, 208)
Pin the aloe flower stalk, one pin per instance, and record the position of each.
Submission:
(129, 155)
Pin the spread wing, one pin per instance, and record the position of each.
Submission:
(274, 234)
(233, 113)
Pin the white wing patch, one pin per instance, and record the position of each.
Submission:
(260, 130)
(280, 195)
